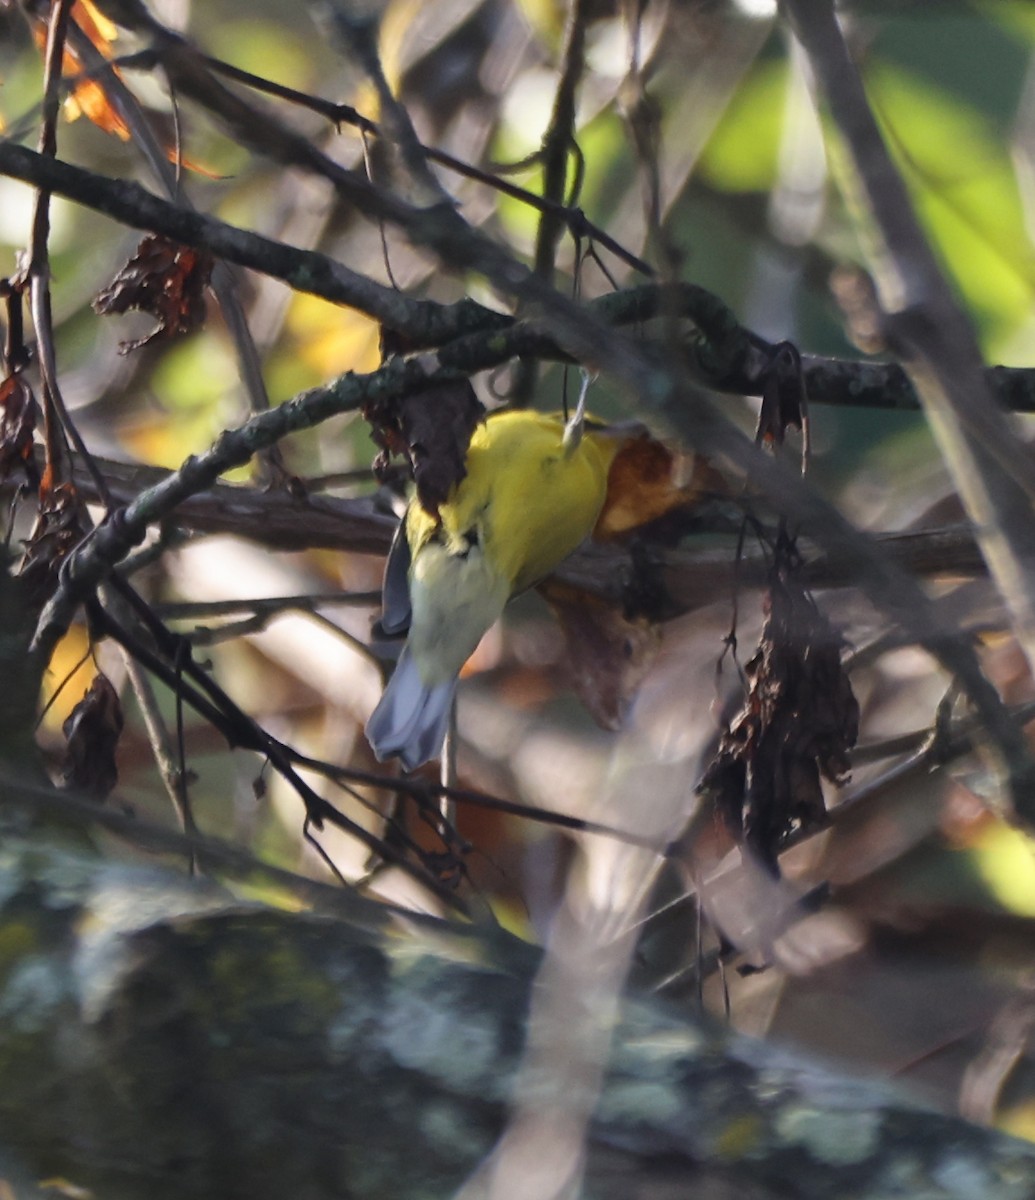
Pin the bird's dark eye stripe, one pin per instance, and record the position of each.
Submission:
(469, 539)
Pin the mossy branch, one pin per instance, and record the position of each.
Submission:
(161, 1035)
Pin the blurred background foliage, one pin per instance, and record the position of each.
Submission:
(921, 965)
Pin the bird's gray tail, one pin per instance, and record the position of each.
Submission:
(411, 719)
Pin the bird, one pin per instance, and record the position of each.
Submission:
(534, 487)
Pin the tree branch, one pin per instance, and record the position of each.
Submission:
(662, 388)
(306, 1044)
(725, 355)
(990, 467)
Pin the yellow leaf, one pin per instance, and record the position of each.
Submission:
(71, 672)
(1018, 1121)
(332, 340)
(1005, 859)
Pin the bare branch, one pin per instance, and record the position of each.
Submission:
(991, 469)
(729, 357)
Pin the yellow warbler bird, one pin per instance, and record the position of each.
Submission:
(533, 490)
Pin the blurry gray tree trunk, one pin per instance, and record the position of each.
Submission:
(160, 1039)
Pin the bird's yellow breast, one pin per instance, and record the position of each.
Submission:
(527, 500)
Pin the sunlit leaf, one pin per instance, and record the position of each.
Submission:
(1018, 1120)
(87, 97)
(397, 18)
(264, 47)
(197, 394)
(95, 24)
(964, 184)
(546, 17)
(1005, 859)
(742, 154)
(331, 340)
(70, 673)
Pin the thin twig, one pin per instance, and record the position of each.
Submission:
(55, 413)
(554, 155)
(211, 853)
(728, 356)
(205, 696)
(163, 749)
(570, 215)
(265, 606)
(223, 284)
(559, 139)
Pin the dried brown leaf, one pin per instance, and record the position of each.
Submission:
(57, 530)
(609, 653)
(92, 731)
(784, 403)
(648, 482)
(432, 429)
(165, 279)
(18, 415)
(799, 722)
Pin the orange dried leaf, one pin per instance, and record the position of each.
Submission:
(95, 25)
(644, 485)
(88, 99)
(165, 279)
(18, 416)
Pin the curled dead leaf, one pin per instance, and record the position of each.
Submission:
(798, 724)
(165, 279)
(18, 416)
(648, 482)
(784, 400)
(432, 429)
(57, 530)
(92, 731)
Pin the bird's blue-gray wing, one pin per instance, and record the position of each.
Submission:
(395, 587)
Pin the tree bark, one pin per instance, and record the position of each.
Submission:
(160, 1037)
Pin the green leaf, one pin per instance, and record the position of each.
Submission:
(963, 183)
(742, 154)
